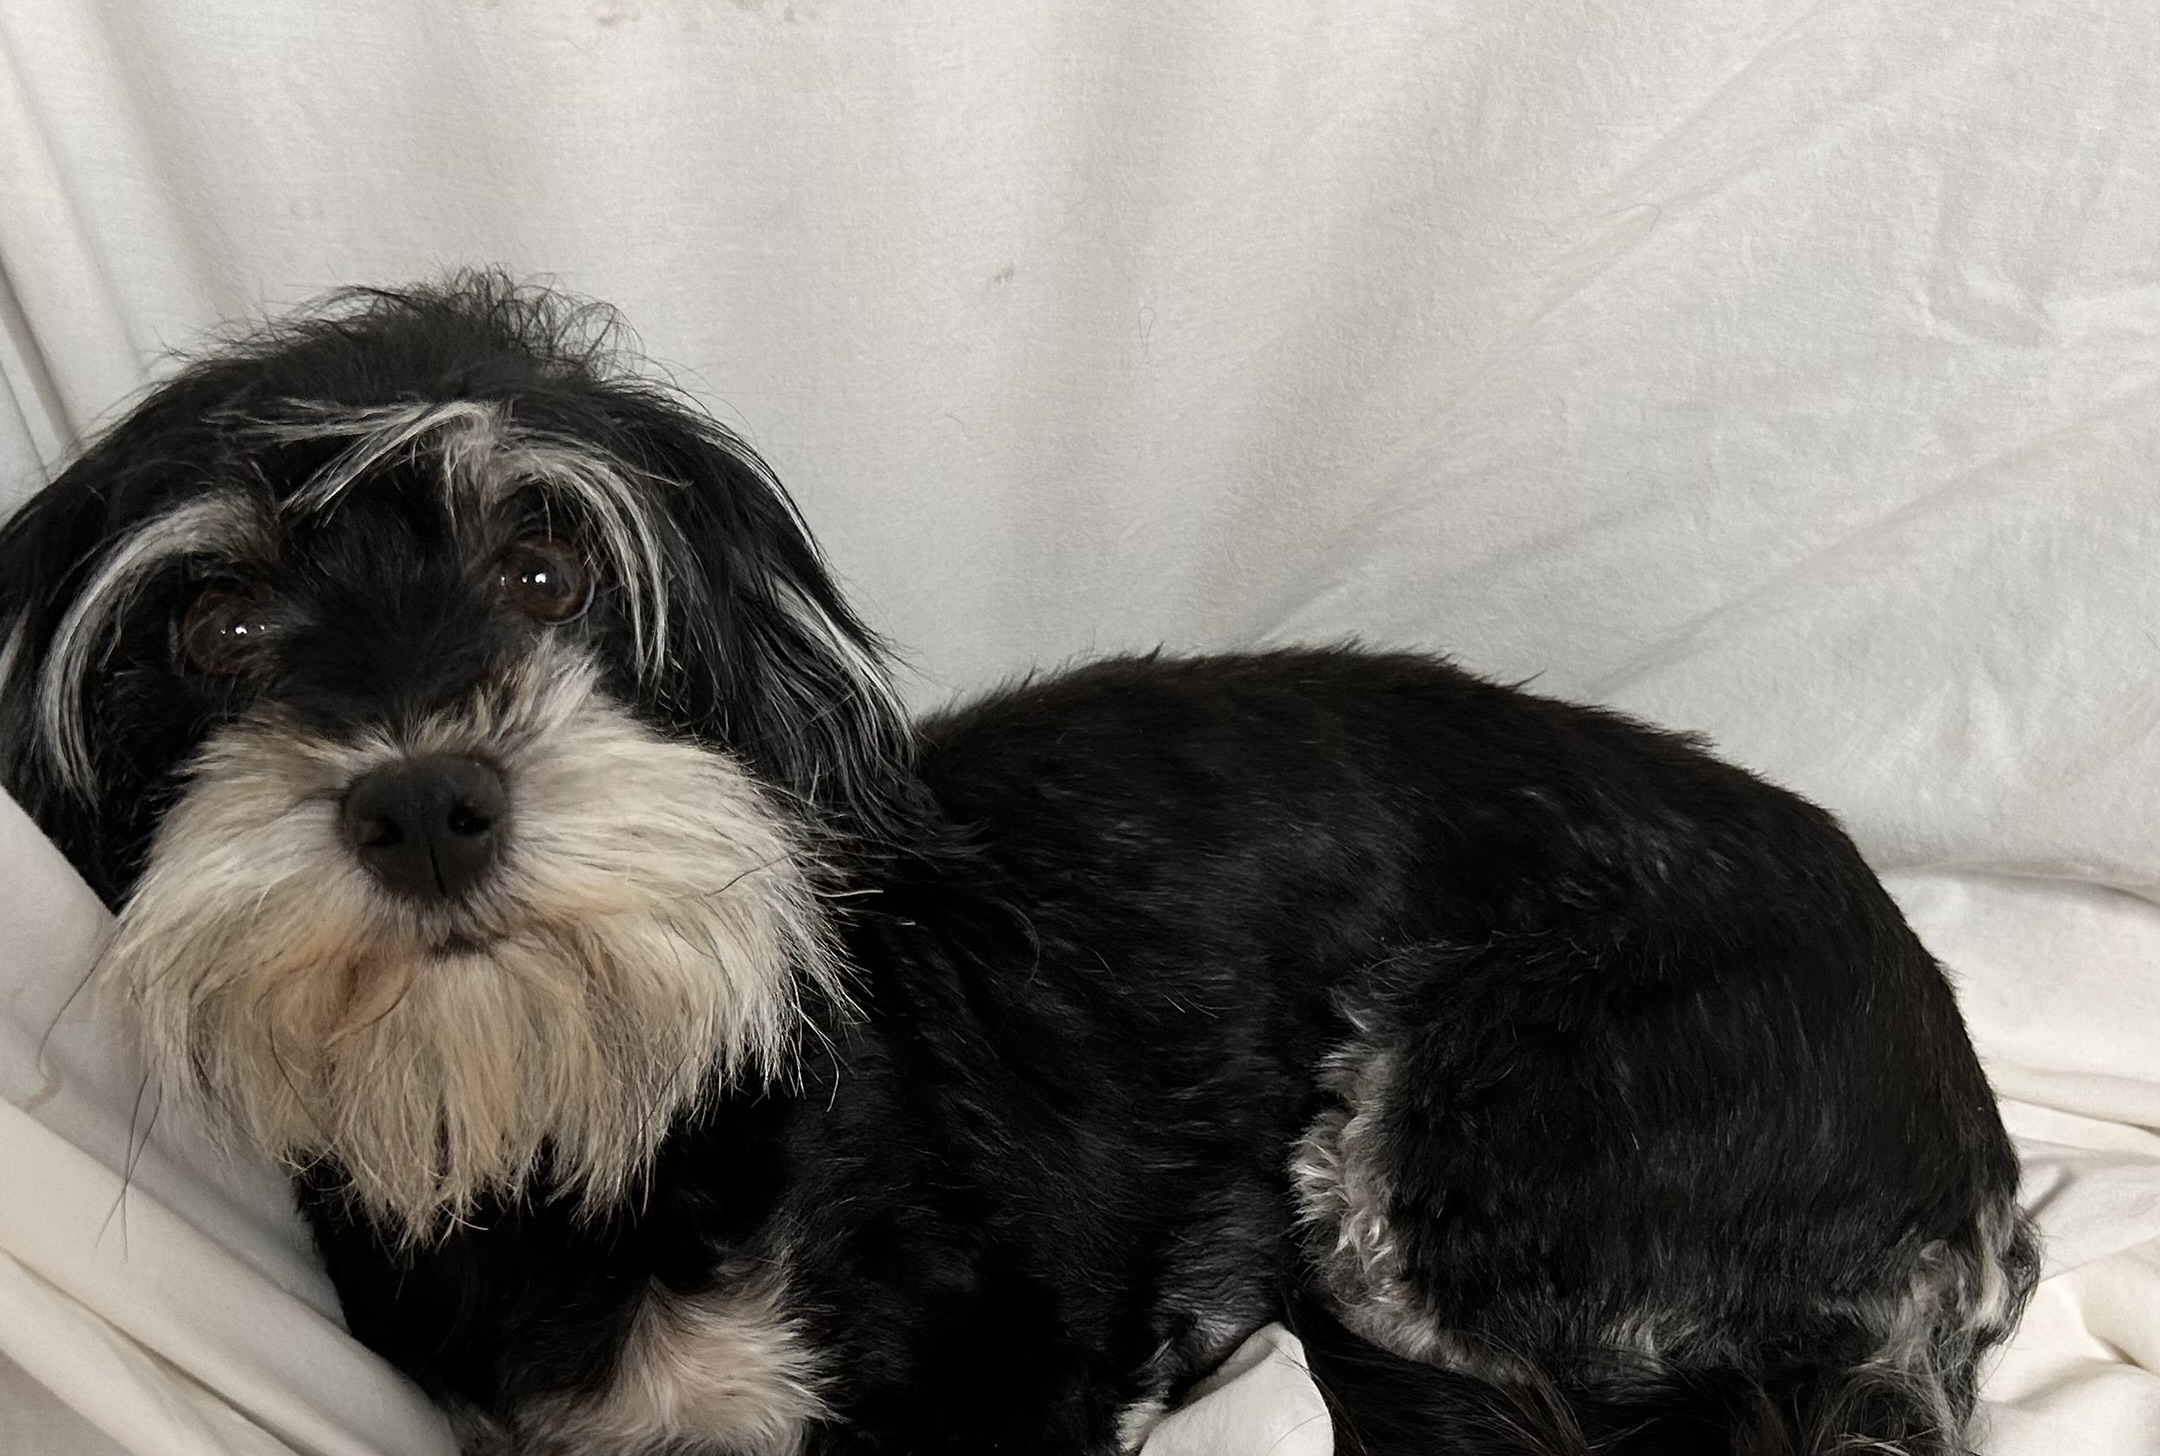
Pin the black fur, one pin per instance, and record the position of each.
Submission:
(1664, 1055)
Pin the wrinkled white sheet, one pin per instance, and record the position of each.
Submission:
(1782, 369)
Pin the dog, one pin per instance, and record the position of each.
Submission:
(675, 1049)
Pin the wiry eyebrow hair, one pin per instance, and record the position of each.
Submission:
(485, 460)
(227, 526)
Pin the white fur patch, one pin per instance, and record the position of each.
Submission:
(726, 1368)
(1342, 1196)
(1137, 1421)
(643, 933)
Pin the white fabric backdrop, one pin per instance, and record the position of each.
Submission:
(1783, 369)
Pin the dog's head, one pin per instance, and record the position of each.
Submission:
(454, 721)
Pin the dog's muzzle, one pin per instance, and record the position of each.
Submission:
(430, 827)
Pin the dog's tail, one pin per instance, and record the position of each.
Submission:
(1384, 1405)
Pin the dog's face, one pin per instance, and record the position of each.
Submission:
(454, 727)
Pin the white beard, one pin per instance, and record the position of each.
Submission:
(647, 931)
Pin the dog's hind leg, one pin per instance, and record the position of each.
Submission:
(1613, 1212)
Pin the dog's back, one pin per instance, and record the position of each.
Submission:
(1630, 1115)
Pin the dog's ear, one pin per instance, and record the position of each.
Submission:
(45, 548)
(769, 657)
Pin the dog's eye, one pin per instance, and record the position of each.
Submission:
(545, 578)
(222, 631)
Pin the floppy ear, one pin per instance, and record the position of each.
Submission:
(768, 658)
(45, 549)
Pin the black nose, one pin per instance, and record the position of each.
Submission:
(427, 827)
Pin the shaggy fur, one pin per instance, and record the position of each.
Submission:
(436, 1049)
(788, 1078)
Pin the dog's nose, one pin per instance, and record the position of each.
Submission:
(427, 827)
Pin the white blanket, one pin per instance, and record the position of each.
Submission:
(1780, 369)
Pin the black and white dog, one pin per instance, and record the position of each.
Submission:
(678, 1051)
